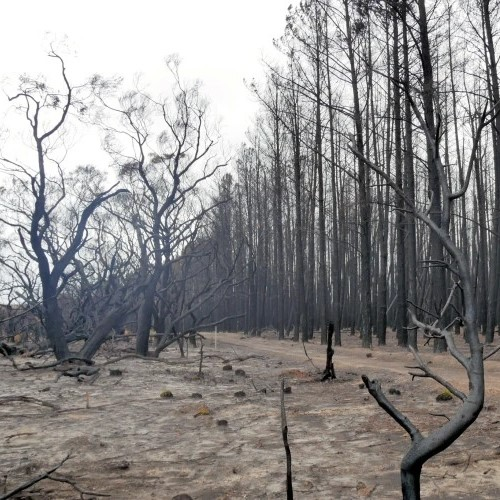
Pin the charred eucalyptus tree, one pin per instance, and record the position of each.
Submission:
(164, 151)
(43, 198)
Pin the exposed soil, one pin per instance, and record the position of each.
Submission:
(128, 442)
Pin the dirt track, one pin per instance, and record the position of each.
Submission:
(132, 444)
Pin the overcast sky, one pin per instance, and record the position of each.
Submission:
(220, 42)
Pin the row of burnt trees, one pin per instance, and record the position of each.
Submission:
(323, 235)
(369, 188)
(142, 256)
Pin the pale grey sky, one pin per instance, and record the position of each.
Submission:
(220, 42)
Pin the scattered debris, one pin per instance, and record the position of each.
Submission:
(26, 399)
(121, 465)
(60, 479)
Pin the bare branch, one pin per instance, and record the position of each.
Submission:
(375, 389)
(35, 480)
(427, 372)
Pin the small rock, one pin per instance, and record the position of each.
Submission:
(280, 362)
(115, 372)
(196, 395)
(235, 471)
(240, 394)
(369, 355)
(361, 386)
(123, 465)
(166, 394)
(227, 368)
(395, 391)
(222, 423)
(240, 372)
(182, 496)
(263, 390)
(287, 390)
(45, 389)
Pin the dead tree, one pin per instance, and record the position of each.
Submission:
(34, 216)
(284, 433)
(425, 447)
(329, 372)
(165, 172)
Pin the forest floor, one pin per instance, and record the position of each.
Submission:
(128, 442)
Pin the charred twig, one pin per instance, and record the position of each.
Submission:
(145, 358)
(375, 389)
(308, 357)
(427, 372)
(239, 358)
(78, 371)
(440, 263)
(469, 459)
(452, 322)
(440, 415)
(284, 432)
(27, 399)
(37, 479)
(29, 366)
(94, 377)
(167, 341)
(491, 353)
(12, 436)
(422, 309)
(201, 360)
(439, 333)
(448, 302)
(6, 320)
(74, 485)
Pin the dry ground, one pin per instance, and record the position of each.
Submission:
(129, 443)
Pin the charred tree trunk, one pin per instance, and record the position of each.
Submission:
(329, 371)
